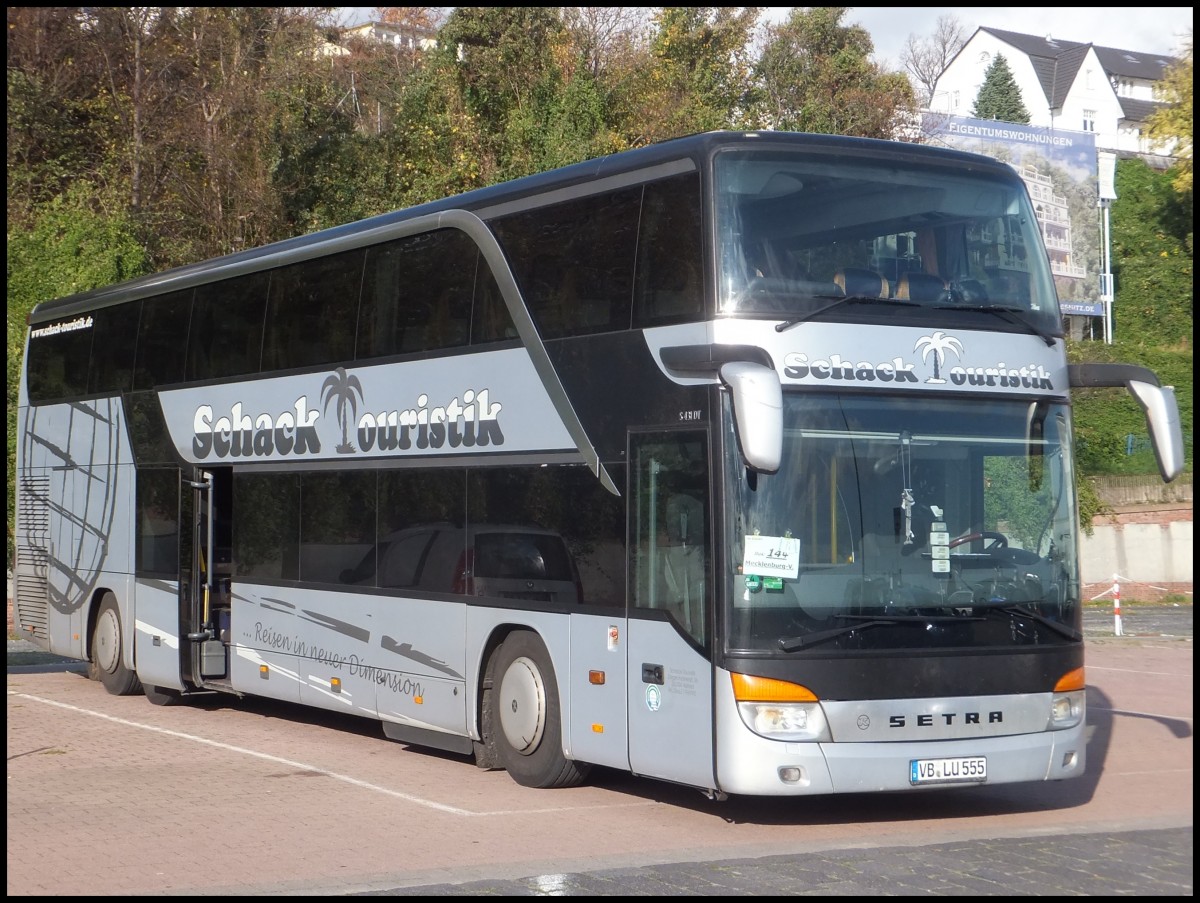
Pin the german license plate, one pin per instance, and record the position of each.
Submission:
(963, 770)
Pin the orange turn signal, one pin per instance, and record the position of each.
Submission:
(748, 688)
(1072, 680)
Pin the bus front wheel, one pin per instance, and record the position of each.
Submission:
(527, 717)
(105, 663)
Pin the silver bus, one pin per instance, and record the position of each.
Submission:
(741, 461)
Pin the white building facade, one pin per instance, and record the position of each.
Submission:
(1063, 84)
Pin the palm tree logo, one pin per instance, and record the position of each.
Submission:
(938, 344)
(341, 387)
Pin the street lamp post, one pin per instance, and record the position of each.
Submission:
(1107, 171)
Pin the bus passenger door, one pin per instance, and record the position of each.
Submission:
(207, 618)
(164, 565)
(670, 667)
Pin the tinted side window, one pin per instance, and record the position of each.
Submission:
(538, 528)
(162, 340)
(227, 324)
(58, 358)
(266, 531)
(337, 523)
(490, 319)
(670, 287)
(312, 313)
(417, 294)
(421, 541)
(158, 550)
(574, 261)
(148, 433)
(114, 333)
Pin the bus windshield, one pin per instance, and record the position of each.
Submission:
(913, 524)
(798, 232)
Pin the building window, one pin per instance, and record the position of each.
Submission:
(1089, 120)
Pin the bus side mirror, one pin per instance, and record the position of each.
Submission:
(1162, 419)
(1158, 402)
(757, 413)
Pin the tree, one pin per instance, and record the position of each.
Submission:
(59, 129)
(607, 39)
(256, 91)
(1152, 258)
(504, 60)
(927, 58)
(698, 74)
(373, 74)
(1171, 125)
(140, 71)
(1000, 95)
(817, 76)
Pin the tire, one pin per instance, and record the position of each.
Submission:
(105, 662)
(527, 718)
(162, 695)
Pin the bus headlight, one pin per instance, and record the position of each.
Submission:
(778, 709)
(1066, 710)
(786, 721)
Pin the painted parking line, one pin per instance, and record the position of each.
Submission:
(316, 769)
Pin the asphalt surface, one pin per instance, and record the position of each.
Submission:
(1145, 863)
(1149, 862)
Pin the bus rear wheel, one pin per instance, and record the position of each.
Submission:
(527, 716)
(106, 664)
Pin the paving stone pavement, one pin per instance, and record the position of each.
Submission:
(1148, 862)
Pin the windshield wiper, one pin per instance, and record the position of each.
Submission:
(1021, 611)
(838, 302)
(1012, 314)
(865, 622)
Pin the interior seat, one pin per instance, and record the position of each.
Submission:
(863, 283)
(920, 287)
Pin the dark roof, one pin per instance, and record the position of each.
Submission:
(1058, 73)
(1057, 61)
(1133, 64)
(1138, 110)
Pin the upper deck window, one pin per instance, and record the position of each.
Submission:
(798, 231)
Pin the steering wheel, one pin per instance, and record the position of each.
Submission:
(998, 540)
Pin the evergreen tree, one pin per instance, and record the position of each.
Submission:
(999, 95)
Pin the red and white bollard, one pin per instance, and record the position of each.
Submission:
(1116, 591)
